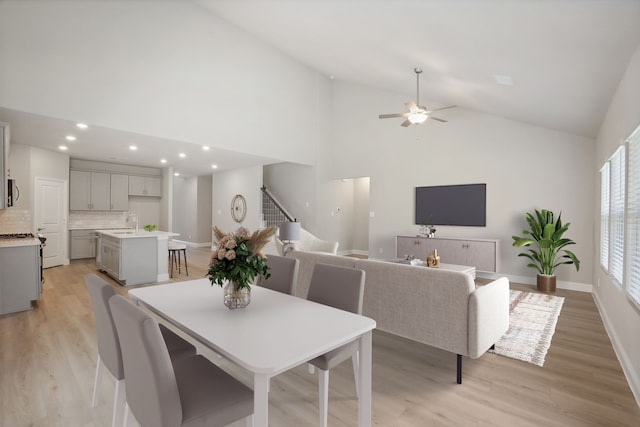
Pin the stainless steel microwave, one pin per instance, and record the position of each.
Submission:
(13, 193)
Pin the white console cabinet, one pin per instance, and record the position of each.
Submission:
(483, 254)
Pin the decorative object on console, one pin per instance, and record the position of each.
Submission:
(548, 252)
(237, 261)
(433, 260)
(289, 233)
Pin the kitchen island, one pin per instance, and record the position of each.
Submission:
(134, 257)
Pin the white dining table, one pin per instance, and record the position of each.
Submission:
(274, 333)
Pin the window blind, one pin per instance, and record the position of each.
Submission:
(633, 219)
(604, 216)
(616, 216)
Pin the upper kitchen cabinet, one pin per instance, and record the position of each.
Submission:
(4, 157)
(119, 192)
(98, 191)
(145, 186)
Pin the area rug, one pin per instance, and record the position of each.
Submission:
(532, 322)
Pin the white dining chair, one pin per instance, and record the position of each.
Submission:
(343, 288)
(191, 392)
(109, 354)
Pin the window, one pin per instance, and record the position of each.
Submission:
(604, 216)
(633, 220)
(616, 216)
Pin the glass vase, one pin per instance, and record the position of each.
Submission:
(236, 298)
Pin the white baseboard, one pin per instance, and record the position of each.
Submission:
(530, 280)
(627, 365)
(354, 252)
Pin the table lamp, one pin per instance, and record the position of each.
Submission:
(289, 232)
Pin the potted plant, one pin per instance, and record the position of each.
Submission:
(236, 262)
(547, 250)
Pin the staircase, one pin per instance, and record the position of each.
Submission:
(272, 211)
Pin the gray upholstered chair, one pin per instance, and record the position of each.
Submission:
(109, 354)
(189, 392)
(284, 274)
(342, 288)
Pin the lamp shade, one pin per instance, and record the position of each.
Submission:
(290, 231)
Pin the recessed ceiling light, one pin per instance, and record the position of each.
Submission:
(182, 155)
(133, 147)
(163, 160)
(205, 147)
(176, 174)
(62, 147)
(214, 166)
(82, 125)
(70, 138)
(503, 79)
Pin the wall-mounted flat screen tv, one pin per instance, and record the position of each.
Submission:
(464, 205)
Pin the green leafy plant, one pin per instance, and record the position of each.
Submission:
(545, 236)
(150, 227)
(238, 257)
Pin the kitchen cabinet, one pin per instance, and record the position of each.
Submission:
(20, 279)
(483, 254)
(145, 186)
(119, 192)
(82, 244)
(98, 191)
(130, 261)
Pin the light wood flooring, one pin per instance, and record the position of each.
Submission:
(48, 357)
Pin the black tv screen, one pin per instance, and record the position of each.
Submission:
(464, 205)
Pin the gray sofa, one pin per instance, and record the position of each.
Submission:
(440, 308)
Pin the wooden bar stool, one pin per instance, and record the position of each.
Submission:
(175, 249)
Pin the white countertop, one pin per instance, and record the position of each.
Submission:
(19, 242)
(130, 234)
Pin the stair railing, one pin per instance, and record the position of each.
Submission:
(273, 212)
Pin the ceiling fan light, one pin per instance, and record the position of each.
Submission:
(417, 117)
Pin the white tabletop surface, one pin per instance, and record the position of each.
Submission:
(275, 332)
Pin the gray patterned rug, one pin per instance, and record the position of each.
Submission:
(532, 322)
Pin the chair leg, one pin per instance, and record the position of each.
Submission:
(459, 369)
(119, 402)
(312, 369)
(184, 252)
(97, 382)
(250, 421)
(323, 386)
(355, 360)
(129, 418)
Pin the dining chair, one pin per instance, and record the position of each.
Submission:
(109, 354)
(343, 288)
(189, 392)
(284, 274)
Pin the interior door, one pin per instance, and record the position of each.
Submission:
(50, 218)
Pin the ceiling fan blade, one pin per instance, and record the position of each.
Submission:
(443, 108)
(412, 106)
(405, 123)
(389, 116)
(437, 119)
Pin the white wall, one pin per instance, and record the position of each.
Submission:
(166, 68)
(621, 319)
(524, 166)
(226, 185)
(361, 214)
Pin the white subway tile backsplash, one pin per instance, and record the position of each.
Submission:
(102, 219)
(14, 220)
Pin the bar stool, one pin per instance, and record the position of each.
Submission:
(174, 249)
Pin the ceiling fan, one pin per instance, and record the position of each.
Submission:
(417, 113)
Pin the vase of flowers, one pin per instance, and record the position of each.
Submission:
(236, 262)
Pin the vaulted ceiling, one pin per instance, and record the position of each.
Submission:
(550, 63)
